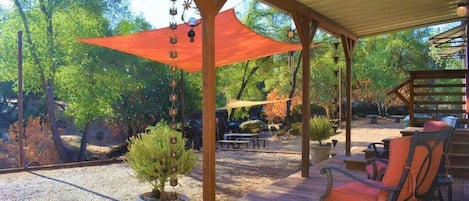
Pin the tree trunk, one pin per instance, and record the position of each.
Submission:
(83, 143)
(244, 82)
(50, 105)
(47, 84)
(292, 90)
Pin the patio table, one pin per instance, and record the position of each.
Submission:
(252, 137)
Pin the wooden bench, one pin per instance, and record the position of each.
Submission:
(235, 143)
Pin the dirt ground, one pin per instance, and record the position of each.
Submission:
(237, 171)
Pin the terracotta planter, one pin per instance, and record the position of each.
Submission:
(319, 152)
(148, 196)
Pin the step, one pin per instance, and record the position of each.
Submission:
(459, 147)
(461, 172)
(458, 159)
(461, 135)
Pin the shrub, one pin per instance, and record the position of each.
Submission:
(158, 155)
(320, 128)
(295, 129)
(37, 143)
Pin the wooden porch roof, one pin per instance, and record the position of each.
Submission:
(363, 18)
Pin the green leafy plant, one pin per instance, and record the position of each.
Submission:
(158, 156)
(295, 129)
(320, 129)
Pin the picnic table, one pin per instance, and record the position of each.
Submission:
(397, 118)
(237, 138)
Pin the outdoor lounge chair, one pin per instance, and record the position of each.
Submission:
(411, 171)
(376, 166)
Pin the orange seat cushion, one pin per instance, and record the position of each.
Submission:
(399, 150)
(414, 181)
(354, 191)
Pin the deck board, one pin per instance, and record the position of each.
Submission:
(295, 187)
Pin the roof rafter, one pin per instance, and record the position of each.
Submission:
(324, 22)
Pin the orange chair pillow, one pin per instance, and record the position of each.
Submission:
(435, 125)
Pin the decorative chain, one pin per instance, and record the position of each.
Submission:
(173, 54)
(173, 111)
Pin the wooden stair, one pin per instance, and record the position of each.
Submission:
(458, 154)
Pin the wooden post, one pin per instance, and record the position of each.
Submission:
(306, 29)
(20, 97)
(349, 46)
(340, 97)
(466, 64)
(208, 10)
(411, 100)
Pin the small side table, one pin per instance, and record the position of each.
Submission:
(408, 131)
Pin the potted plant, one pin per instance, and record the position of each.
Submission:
(158, 156)
(320, 129)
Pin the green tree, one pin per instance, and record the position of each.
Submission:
(52, 53)
(382, 62)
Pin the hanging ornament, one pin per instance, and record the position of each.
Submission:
(191, 21)
(173, 182)
(173, 54)
(173, 140)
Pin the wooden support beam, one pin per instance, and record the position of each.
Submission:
(411, 99)
(208, 10)
(349, 46)
(306, 28)
(403, 99)
(300, 9)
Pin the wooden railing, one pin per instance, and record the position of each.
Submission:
(436, 93)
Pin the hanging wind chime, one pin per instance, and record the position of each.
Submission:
(191, 21)
(173, 111)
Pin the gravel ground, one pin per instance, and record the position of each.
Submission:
(238, 172)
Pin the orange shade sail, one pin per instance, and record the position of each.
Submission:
(234, 42)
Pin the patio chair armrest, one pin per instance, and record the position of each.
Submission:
(374, 159)
(374, 146)
(328, 171)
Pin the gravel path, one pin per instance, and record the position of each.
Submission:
(238, 172)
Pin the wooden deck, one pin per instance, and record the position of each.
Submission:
(298, 188)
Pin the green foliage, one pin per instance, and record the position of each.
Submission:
(253, 126)
(296, 113)
(150, 156)
(295, 129)
(382, 62)
(320, 129)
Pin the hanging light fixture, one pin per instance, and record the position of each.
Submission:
(461, 10)
(191, 21)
